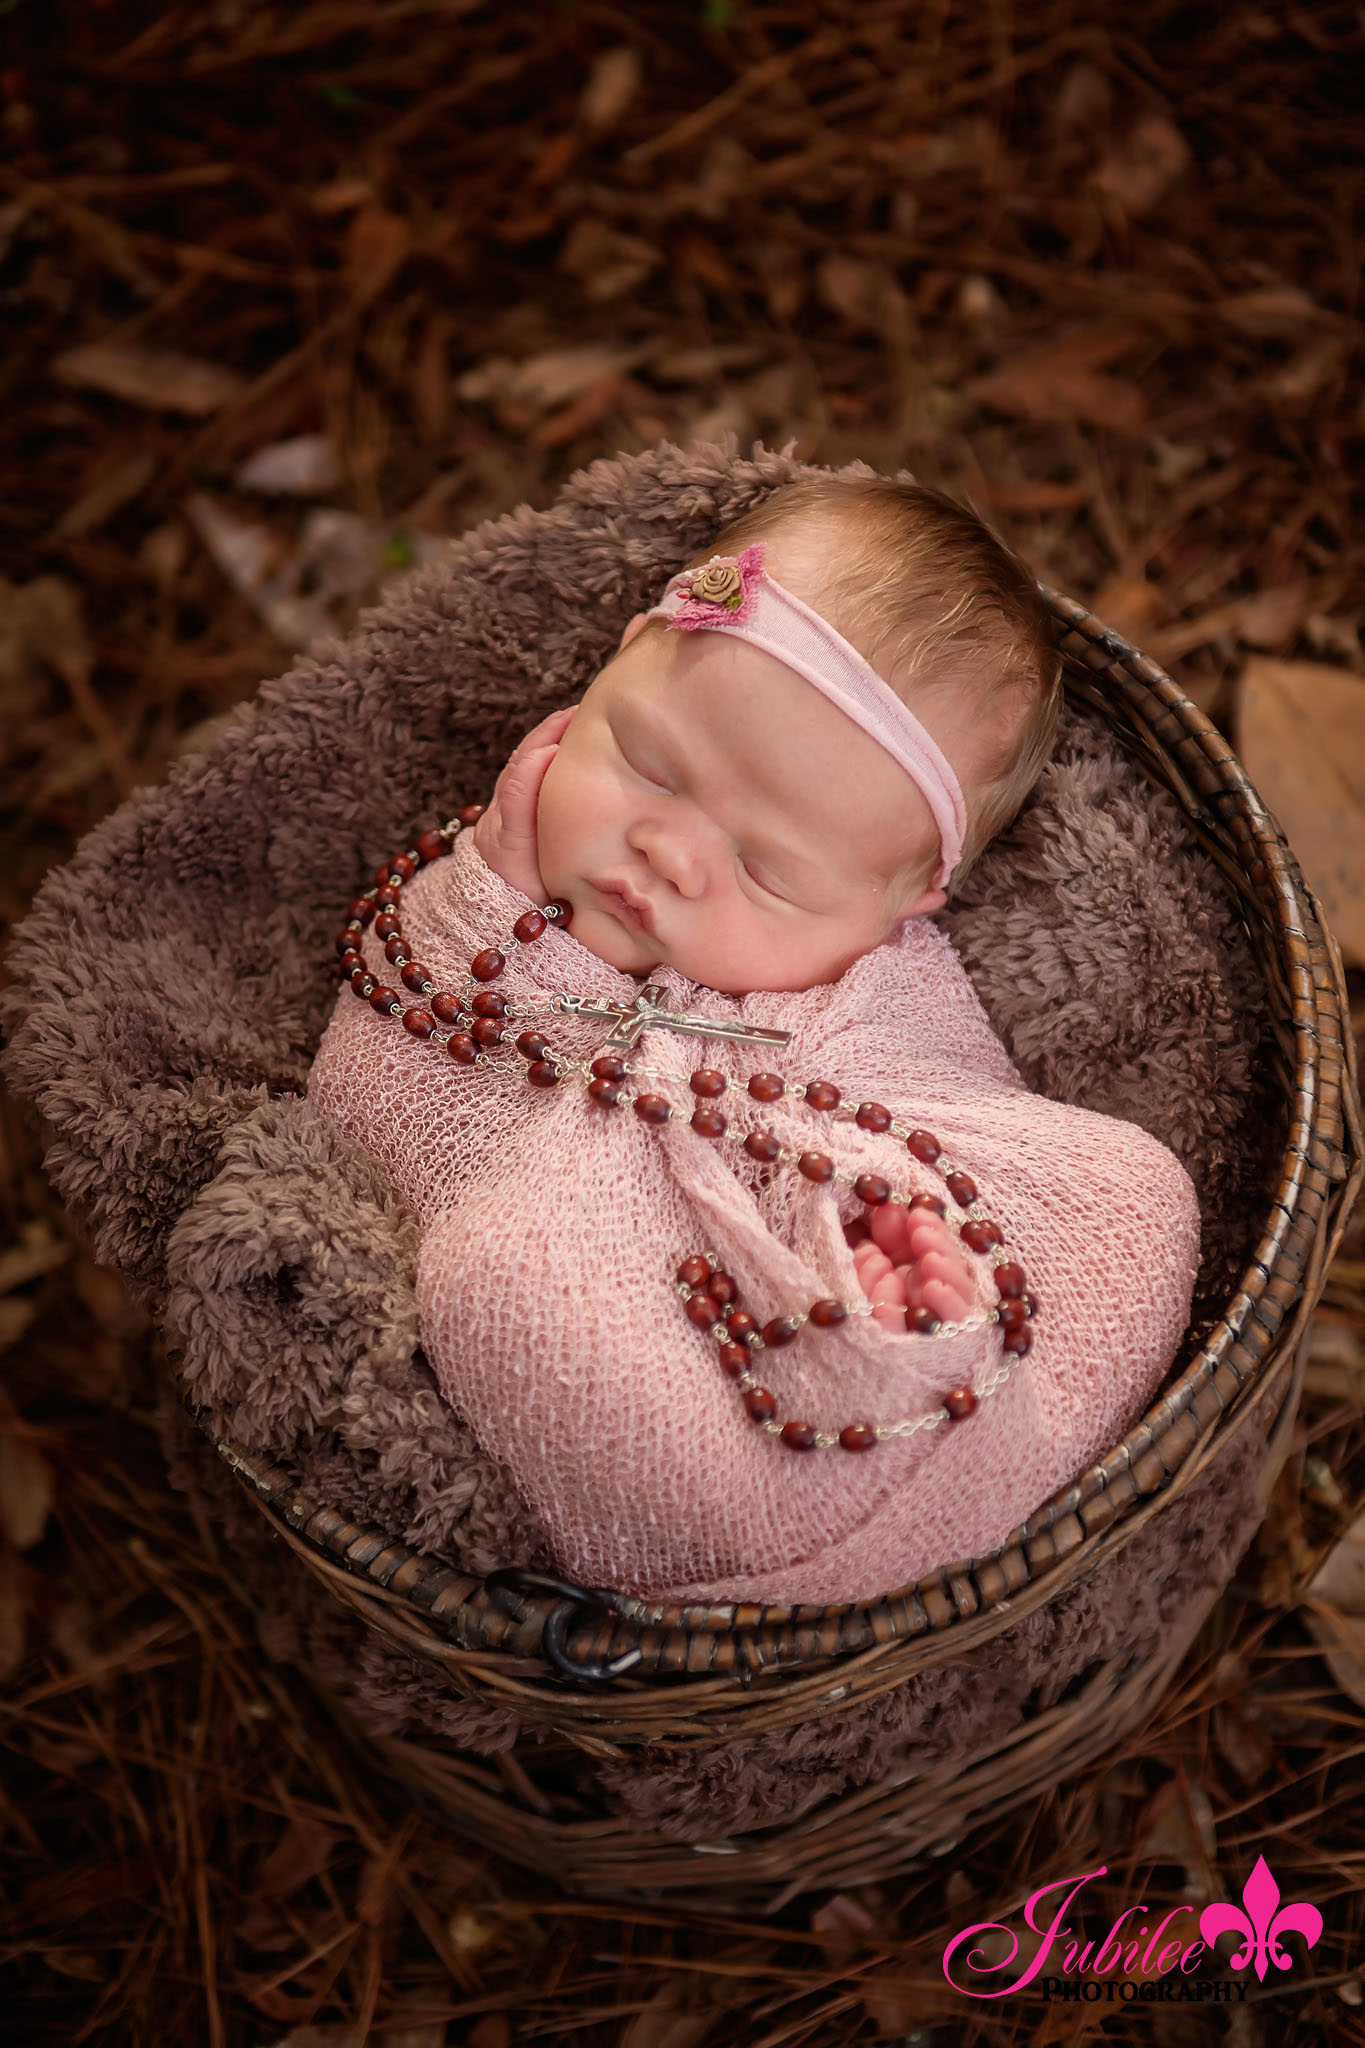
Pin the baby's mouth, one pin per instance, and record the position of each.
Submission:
(635, 915)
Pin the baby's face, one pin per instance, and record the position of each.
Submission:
(754, 827)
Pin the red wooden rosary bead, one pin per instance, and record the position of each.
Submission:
(871, 1116)
(708, 1123)
(701, 1310)
(734, 1359)
(420, 1023)
(924, 1146)
(722, 1288)
(461, 1047)
(385, 1001)
(362, 908)
(401, 869)
(363, 985)
(563, 910)
(979, 1237)
(381, 876)
(816, 1166)
(934, 1203)
(418, 978)
(766, 1087)
(349, 961)
(962, 1188)
(1009, 1279)
(486, 1030)
(542, 1074)
(694, 1271)
(740, 1323)
(825, 1314)
(858, 1436)
(922, 1321)
(1011, 1314)
(386, 927)
(388, 898)
(1019, 1341)
(532, 1046)
(872, 1189)
(608, 1066)
(487, 965)
(781, 1330)
(431, 845)
(762, 1145)
(448, 1008)
(396, 950)
(760, 1404)
(799, 1436)
(489, 1003)
(529, 926)
(652, 1109)
(822, 1095)
(608, 1093)
(960, 1403)
(471, 813)
(708, 1081)
(345, 939)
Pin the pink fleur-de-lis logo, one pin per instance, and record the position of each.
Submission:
(1263, 1922)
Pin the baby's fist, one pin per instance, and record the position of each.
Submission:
(506, 833)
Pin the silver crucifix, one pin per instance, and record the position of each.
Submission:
(648, 1013)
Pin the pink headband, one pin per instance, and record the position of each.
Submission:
(735, 594)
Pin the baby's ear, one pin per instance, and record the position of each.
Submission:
(924, 905)
(637, 625)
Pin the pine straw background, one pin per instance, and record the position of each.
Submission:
(1102, 280)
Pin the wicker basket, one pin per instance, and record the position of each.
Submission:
(601, 1673)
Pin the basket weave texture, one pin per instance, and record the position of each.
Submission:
(600, 1676)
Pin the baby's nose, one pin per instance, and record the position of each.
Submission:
(672, 856)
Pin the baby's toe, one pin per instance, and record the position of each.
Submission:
(943, 1299)
(890, 1230)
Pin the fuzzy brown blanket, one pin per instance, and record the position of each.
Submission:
(170, 985)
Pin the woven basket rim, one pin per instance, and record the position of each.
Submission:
(533, 1611)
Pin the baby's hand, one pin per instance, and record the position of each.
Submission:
(506, 833)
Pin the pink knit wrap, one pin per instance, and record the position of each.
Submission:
(552, 1229)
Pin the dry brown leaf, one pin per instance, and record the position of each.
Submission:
(1301, 736)
(863, 293)
(546, 380)
(158, 379)
(663, 2025)
(1334, 1609)
(376, 243)
(304, 1850)
(1144, 166)
(1128, 604)
(844, 1927)
(1278, 311)
(611, 86)
(296, 468)
(1061, 382)
(606, 262)
(25, 1490)
(38, 1251)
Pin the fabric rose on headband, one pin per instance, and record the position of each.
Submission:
(726, 583)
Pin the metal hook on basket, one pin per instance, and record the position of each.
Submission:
(511, 1580)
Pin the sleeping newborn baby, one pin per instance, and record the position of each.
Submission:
(745, 1249)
